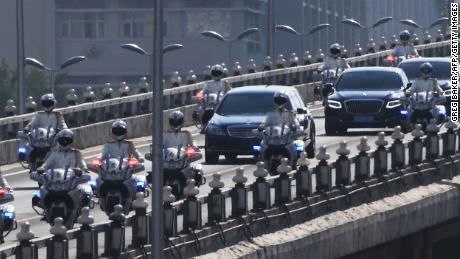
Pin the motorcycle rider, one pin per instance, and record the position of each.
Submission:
(175, 136)
(120, 146)
(48, 118)
(404, 48)
(425, 82)
(281, 114)
(216, 85)
(334, 60)
(65, 156)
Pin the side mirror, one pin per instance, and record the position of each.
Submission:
(22, 135)
(148, 156)
(328, 89)
(301, 111)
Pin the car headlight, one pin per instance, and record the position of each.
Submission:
(393, 104)
(215, 130)
(447, 93)
(334, 104)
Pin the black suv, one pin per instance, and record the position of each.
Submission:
(365, 97)
(232, 130)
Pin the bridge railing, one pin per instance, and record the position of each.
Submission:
(88, 113)
(201, 224)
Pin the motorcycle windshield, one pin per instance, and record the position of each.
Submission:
(42, 137)
(422, 101)
(277, 135)
(174, 158)
(113, 171)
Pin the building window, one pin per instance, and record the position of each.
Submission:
(199, 21)
(82, 25)
(133, 25)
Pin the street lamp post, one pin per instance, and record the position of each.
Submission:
(69, 62)
(20, 54)
(217, 36)
(357, 24)
(289, 29)
(137, 49)
(156, 68)
(412, 23)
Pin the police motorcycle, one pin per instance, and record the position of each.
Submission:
(178, 167)
(117, 183)
(206, 108)
(328, 79)
(420, 108)
(39, 140)
(8, 221)
(394, 61)
(279, 142)
(63, 192)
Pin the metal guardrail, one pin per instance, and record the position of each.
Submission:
(87, 113)
(420, 161)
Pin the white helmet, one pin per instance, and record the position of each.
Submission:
(217, 72)
(65, 138)
(48, 102)
(119, 129)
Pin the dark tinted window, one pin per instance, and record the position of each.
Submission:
(441, 70)
(369, 81)
(247, 103)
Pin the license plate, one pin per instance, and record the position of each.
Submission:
(363, 118)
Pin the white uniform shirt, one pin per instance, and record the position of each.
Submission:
(174, 139)
(422, 85)
(277, 118)
(117, 149)
(54, 120)
(404, 50)
(63, 158)
(333, 63)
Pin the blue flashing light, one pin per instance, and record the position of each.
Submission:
(404, 112)
(92, 183)
(36, 194)
(442, 111)
(22, 150)
(299, 148)
(9, 215)
(140, 183)
(256, 148)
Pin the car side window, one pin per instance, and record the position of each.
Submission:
(297, 102)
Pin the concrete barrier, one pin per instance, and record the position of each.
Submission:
(355, 229)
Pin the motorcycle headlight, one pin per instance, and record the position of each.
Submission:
(447, 93)
(334, 104)
(393, 104)
(215, 130)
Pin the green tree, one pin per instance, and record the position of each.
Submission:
(36, 84)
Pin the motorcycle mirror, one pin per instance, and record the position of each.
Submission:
(148, 156)
(301, 111)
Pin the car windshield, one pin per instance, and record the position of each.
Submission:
(246, 103)
(441, 70)
(369, 81)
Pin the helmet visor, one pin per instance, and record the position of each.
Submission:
(216, 73)
(119, 131)
(425, 70)
(47, 103)
(176, 122)
(335, 51)
(64, 141)
(279, 100)
(404, 37)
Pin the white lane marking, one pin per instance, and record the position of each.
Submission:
(27, 219)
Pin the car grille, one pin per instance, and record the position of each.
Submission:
(242, 132)
(364, 106)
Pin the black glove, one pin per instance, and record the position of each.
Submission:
(78, 172)
(40, 171)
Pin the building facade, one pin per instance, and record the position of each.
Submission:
(58, 29)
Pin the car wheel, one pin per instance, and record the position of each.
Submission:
(331, 128)
(230, 157)
(311, 147)
(210, 157)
